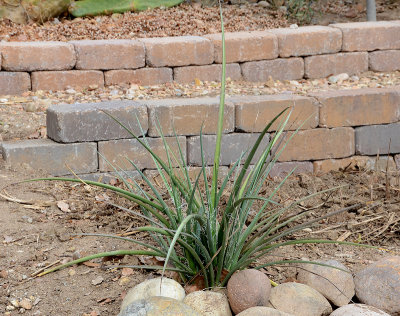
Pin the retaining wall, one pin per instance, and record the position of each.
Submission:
(284, 54)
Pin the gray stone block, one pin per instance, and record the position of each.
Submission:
(50, 157)
(69, 123)
(232, 146)
(107, 177)
(282, 169)
(374, 139)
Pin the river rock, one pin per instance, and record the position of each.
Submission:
(358, 310)
(169, 288)
(336, 285)
(262, 311)
(158, 306)
(379, 285)
(248, 288)
(299, 299)
(208, 303)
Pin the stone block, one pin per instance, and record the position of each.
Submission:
(61, 80)
(308, 40)
(193, 173)
(277, 69)
(206, 73)
(50, 157)
(109, 54)
(319, 143)
(14, 83)
(253, 113)
(108, 177)
(245, 46)
(369, 36)
(34, 56)
(386, 60)
(358, 107)
(142, 76)
(188, 116)
(232, 146)
(178, 51)
(117, 152)
(325, 65)
(282, 169)
(375, 139)
(355, 163)
(69, 123)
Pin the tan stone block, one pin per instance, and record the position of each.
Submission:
(60, 80)
(325, 65)
(369, 36)
(359, 107)
(142, 76)
(245, 46)
(355, 162)
(278, 69)
(188, 116)
(178, 51)
(319, 143)
(308, 40)
(206, 73)
(33, 56)
(13, 83)
(116, 152)
(253, 113)
(386, 60)
(109, 54)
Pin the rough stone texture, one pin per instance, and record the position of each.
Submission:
(358, 107)
(358, 310)
(248, 288)
(108, 177)
(33, 56)
(232, 146)
(336, 285)
(208, 303)
(168, 288)
(262, 311)
(206, 73)
(116, 152)
(14, 83)
(277, 69)
(282, 169)
(397, 160)
(387, 60)
(158, 306)
(374, 139)
(369, 36)
(325, 65)
(308, 40)
(109, 54)
(253, 113)
(143, 76)
(355, 163)
(69, 123)
(188, 116)
(192, 171)
(178, 51)
(299, 299)
(327, 143)
(61, 80)
(245, 46)
(51, 157)
(379, 285)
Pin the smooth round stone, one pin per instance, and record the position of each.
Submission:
(158, 306)
(379, 285)
(248, 288)
(262, 311)
(149, 288)
(208, 303)
(336, 285)
(358, 310)
(299, 299)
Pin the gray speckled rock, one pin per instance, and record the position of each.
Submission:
(149, 288)
(336, 285)
(379, 285)
(299, 299)
(358, 310)
(158, 306)
(262, 311)
(208, 303)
